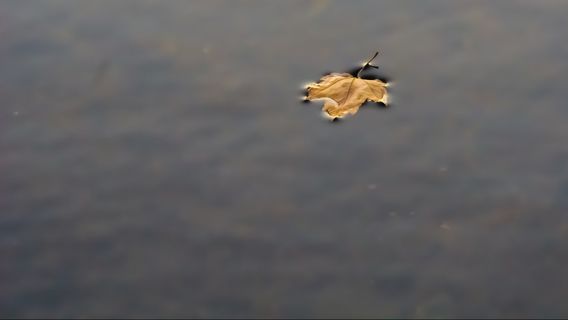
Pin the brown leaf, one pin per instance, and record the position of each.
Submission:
(343, 93)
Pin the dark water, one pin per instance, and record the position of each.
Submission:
(155, 160)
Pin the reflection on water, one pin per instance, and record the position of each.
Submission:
(156, 161)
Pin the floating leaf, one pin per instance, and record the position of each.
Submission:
(343, 93)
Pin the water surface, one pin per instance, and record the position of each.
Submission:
(155, 160)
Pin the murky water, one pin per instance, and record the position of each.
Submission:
(155, 160)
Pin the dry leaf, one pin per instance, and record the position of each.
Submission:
(343, 93)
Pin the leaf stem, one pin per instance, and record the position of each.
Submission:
(368, 64)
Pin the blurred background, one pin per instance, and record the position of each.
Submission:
(155, 160)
